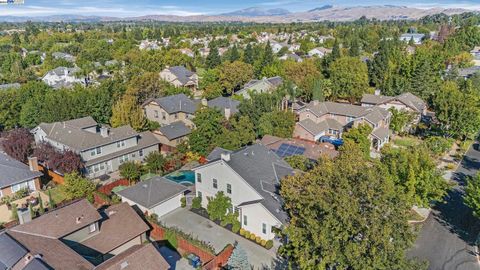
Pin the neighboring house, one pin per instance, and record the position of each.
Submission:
(404, 102)
(65, 56)
(170, 109)
(204, 52)
(417, 38)
(179, 76)
(291, 56)
(62, 77)
(157, 195)
(187, 52)
(170, 136)
(330, 119)
(227, 106)
(77, 236)
(468, 72)
(276, 47)
(319, 52)
(149, 45)
(9, 86)
(138, 257)
(260, 86)
(251, 178)
(14, 175)
(290, 147)
(103, 149)
(476, 55)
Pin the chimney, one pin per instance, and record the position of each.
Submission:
(225, 156)
(33, 164)
(377, 92)
(228, 113)
(104, 131)
(24, 215)
(204, 102)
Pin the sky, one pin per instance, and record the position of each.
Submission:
(126, 8)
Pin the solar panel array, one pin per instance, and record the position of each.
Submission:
(286, 150)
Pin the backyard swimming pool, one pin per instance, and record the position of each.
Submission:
(186, 178)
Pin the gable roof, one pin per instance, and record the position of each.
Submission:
(183, 75)
(263, 170)
(139, 257)
(153, 191)
(176, 103)
(370, 113)
(175, 130)
(73, 134)
(119, 224)
(223, 103)
(273, 81)
(62, 221)
(36, 264)
(14, 171)
(407, 98)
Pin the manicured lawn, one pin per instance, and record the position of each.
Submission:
(57, 194)
(406, 141)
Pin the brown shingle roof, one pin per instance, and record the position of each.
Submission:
(55, 253)
(139, 257)
(120, 224)
(62, 221)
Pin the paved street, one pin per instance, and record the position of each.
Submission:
(448, 235)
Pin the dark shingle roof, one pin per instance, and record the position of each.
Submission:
(10, 251)
(72, 134)
(139, 257)
(153, 191)
(14, 172)
(175, 130)
(263, 170)
(177, 103)
(223, 103)
(183, 75)
(407, 98)
(36, 264)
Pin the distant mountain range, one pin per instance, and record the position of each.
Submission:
(261, 15)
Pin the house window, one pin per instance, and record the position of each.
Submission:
(99, 150)
(140, 153)
(245, 220)
(264, 228)
(155, 113)
(120, 144)
(229, 189)
(134, 155)
(92, 153)
(123, 158)
(199, 178)
(215, 183)
(92, 228)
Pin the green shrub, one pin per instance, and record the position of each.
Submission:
(258, 239)
(269, 244)
(438, 145)
(183, 202)
(263, 242)
(242, 232)
(235, 227)
(247, 234)
(253, 237)
(171, 237)
(197, 203)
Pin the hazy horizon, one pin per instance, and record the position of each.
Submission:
(125, 8)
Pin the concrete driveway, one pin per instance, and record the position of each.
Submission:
(447, 239)
(218, 237)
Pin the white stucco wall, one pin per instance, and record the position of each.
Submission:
(257, 215)
(161, 209)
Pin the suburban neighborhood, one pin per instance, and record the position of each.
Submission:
(301, 137)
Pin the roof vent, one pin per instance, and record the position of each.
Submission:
(79, 219)
(225, 156)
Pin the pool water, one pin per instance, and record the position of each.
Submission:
(186, 178)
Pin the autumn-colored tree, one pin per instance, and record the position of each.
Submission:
(17, 143)
(127, 112)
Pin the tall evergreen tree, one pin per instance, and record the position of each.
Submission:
(354, 48)
(248, 56)
(238, 260)
(234, 55)
(213, 57)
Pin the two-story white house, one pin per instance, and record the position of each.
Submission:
(103, 149)
(251, 178)
(179, 76)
